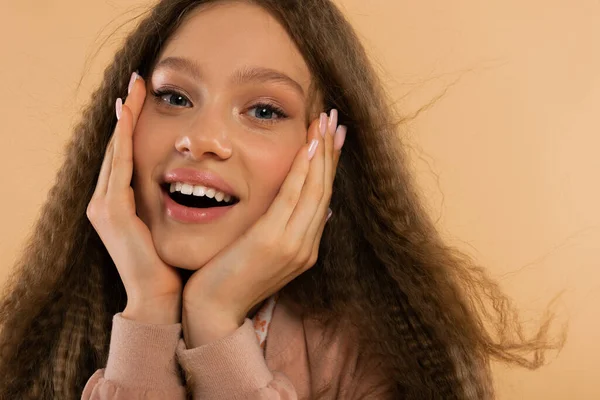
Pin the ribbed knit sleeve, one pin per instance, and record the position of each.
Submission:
(141, 364)
(233, 368)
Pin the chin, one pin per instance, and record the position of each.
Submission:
(179, 260)
(188, 257)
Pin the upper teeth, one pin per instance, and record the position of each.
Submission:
(199, 190)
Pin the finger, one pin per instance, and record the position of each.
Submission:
(316, 243)
(135, 99)
(326, 183)
(330, 157)
(122, 162)
(136, 96)
(338, 142)
(286, 200)
(102, 184)
(313, 190)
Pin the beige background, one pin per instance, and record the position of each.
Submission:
(507, 158)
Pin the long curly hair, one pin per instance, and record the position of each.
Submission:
(425, 311)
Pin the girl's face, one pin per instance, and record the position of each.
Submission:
(232, 102)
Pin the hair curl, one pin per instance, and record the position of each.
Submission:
(418, 305)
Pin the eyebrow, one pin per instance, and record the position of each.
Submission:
(241, 76)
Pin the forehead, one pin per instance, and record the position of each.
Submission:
(228, 36)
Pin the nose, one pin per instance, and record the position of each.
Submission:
(207, 137)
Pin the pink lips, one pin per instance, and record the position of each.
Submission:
(195, 177)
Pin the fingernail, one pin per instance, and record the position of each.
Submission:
(333, 120)
(340, 137)
(323, 124)
(132, 80)
(329, 213)
(119, 107)
(312, 149)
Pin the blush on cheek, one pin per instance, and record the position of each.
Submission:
(278, 176)
(270, 173)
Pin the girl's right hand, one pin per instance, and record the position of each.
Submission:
(153, 287)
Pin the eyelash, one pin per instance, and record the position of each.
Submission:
(158, 94)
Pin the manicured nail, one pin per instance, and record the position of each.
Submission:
(340, 137)
(119, 107)
(329, 213)
(132, 80)
(323, 124)
(312, 149)
(333, 120)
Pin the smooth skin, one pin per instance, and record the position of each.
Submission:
(207, 108)
(279, 246)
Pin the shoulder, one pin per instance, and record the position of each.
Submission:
(291, 331)
(316, 356)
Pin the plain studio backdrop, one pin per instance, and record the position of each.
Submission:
(507, 157)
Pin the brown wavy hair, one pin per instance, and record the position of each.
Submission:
(427, 314)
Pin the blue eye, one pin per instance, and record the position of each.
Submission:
(171, 98)
(266, 112)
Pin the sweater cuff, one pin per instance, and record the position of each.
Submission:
(143, 355)
(226, 368)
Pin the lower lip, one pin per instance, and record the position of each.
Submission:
(193, 215)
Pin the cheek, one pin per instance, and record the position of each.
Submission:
(148, 145)
(269, 170)
(142, 160)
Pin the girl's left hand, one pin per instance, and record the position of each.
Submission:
(281, 245)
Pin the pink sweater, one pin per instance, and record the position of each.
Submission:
(142, 362)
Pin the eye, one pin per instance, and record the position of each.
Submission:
(171, 97)
(267, 113)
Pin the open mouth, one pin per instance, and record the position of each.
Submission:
(192, 201)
